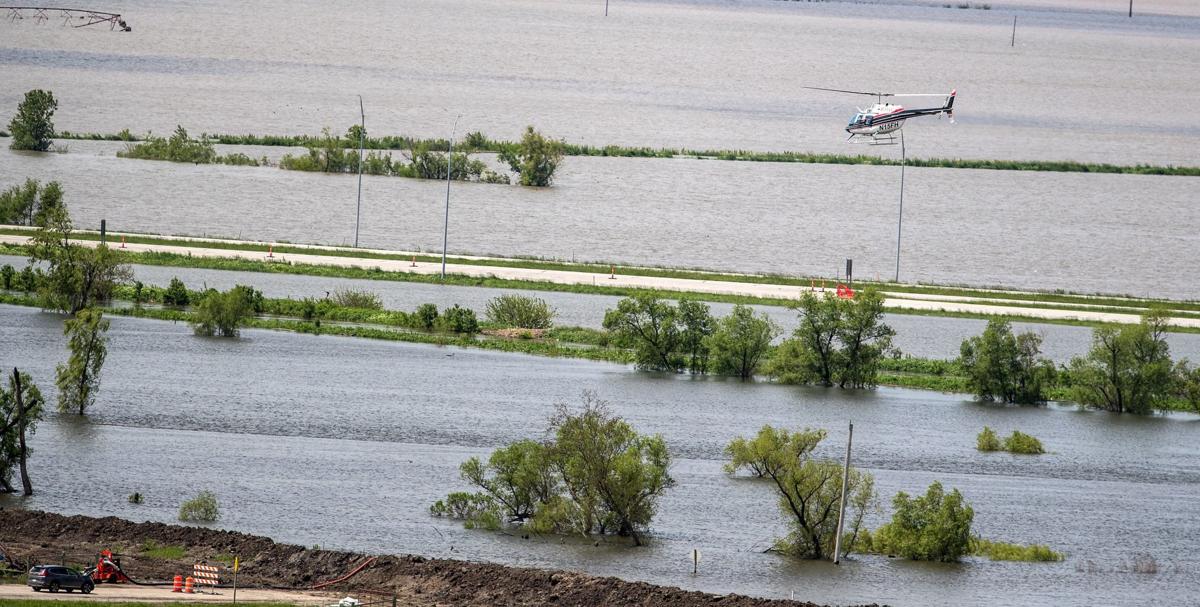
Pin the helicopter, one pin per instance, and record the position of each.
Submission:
(879, 124)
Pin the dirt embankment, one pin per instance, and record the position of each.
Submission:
(29, 536)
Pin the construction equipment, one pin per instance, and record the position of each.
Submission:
(108, 570)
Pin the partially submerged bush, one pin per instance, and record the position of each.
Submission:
(932, 527)
(222, 313)
(521, 311)
(1004, 551)
(987, 440)
(176, 294)
(458, 320)
(1020, 442)
(201, 509)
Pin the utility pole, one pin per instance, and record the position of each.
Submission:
(362, 132)
(449, 174)
(900, 221)
(1014, 36)
(837, 540)
(1130, 9)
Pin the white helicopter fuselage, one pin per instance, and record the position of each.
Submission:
(881, 119)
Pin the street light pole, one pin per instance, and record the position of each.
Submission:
(449, 173)
(362, 131)
(900, 220)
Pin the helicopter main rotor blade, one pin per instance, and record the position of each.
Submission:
(919, 95)
(818, 88)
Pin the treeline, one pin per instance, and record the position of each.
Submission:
(180, 147)
(481, 143)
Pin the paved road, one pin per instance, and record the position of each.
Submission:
(909, 301)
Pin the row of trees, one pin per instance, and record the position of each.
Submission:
(686, 337)
(534, 159)
(1128, 369)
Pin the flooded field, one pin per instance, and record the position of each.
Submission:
(345, 443)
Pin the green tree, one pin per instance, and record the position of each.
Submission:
(838, 342)
(696, 326)
(30, 203)
(614, 475)
(220, 313)
(521, 311)
(1127, 369)
(534, 159)
(79, 379)
(809, 490)
(77, 276)
(741, 341)
(33, 128)
(21, 406)
(597, 476)
(7, 273)
(1006, 367)
(650, 325)
(176, 293)
(932, 527)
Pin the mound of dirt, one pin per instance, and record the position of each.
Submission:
(30, 537)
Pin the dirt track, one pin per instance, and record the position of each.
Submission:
(30, 536)
(129, 593)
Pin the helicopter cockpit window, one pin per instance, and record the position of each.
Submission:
(856, 119)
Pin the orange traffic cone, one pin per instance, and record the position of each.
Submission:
(612, 272)
(271, 250)
(178, 587)
(122, 242)
(188, 585)
(414, 261)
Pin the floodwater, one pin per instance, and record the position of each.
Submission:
(1083, 82)
(1126, 234)
(921, 336)
(345, 443)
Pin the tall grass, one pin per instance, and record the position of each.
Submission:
(1004, 551)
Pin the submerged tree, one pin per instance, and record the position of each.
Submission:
(809, 490)
(650, 325)
(838, 342)
(79, 379)
(223, 314)
(534, 159)
(741, 341)
(1006, 367)
(21, 406)
(1128, 369)
(32, 128)
(597, 476)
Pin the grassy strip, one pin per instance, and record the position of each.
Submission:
(1117, 304)
(480, 143)
(92, 603)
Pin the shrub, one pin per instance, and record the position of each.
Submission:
(29, 279)
(201, 509)
(135, 498)
(987, 440)
(221, 313)
(1004, 551)
(426, 316)
(534, 159)
(1020, 442)
(458, 320)
(354, 298)
(521, 311)
(6, 276)
(176, 294)
(932, 527)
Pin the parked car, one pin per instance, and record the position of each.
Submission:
(55, 577)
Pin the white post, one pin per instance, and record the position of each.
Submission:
(449, 173)
(837, 541)
(900, 220)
